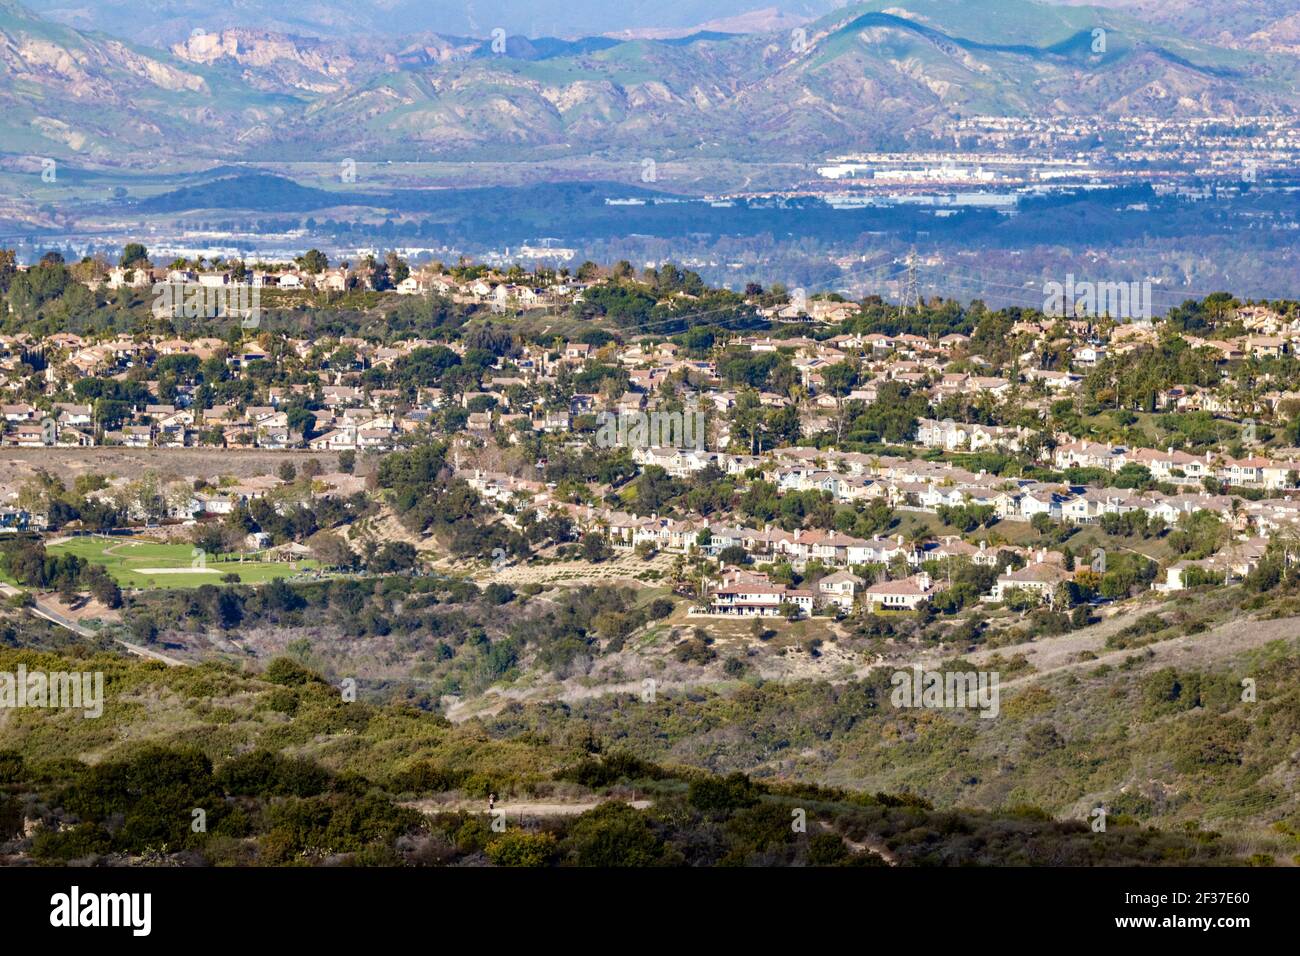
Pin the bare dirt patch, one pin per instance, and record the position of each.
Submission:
(627, 567)
(17, 464)
(178, 571)
(518, 809)
(1057, 655)
(83, 609)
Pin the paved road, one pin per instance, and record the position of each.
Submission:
(47, 612)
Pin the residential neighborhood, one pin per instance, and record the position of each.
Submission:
(988, 441)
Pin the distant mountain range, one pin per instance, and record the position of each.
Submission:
(1248, 24)
(867, 74)
(1253, 24)
(163, 22)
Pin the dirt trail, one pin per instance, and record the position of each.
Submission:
(517, 809)
(52, 614)
(866, 846)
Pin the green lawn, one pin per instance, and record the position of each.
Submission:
(149, 564)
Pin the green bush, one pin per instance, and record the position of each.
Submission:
(522, 849)
(613, 834)
(723, 793)
(261, 773)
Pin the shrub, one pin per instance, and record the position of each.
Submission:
(723, 793)
(826, 849)
(613, 834)
(261, 773)
(76, 843)
(522, 849)
(595, 773)
(290, 673)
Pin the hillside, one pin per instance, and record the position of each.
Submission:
(1143, 715)
(869, 74)
(64, 92)
(1272, 25)
(286, 771)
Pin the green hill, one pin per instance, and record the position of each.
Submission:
(285, 771)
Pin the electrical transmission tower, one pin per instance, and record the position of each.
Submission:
(911, 289)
